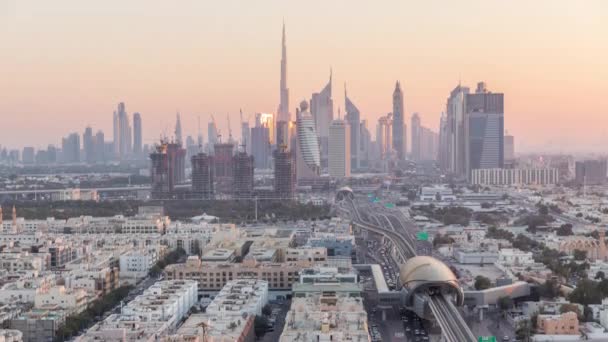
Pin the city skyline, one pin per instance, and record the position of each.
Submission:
(186, 76)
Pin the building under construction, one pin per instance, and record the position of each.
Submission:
(202, 176)
(284, 173)
(167, 168)
(243, 175)
(223, 164)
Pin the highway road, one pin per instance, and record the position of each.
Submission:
(394, 226)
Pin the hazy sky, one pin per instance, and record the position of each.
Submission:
(64, 64)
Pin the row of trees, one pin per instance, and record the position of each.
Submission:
(230, 211)
(75, 323)
(170, 258)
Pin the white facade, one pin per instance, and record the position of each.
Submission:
(73, 301)
(136, 264)
(238, 297)
(339, 149)
(515, 257)
(167, 301)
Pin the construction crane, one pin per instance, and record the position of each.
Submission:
(217, 130)
(229, 129)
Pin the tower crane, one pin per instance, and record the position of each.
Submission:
(217, 130)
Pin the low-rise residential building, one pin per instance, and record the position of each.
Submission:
(135, 264)
(213, 328)
(238, 297)
(39, 325)
(71, 300)
(10, 335)
(326, 312)
(514, 257)
(564, 324)
(336, 245)
(213, 276)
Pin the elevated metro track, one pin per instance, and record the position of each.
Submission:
(453, 326)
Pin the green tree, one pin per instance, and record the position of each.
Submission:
(549, 289)
(600, 275)
(504, 304)
(565, 230)
(260, 324)
(266, 310)
(482, 283)
(585, 293)
(580, 255)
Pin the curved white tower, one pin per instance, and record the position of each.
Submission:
(308, 155)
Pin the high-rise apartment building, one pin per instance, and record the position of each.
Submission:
(339, 149)
(484, 129)
(416, 137)
(353, 116)
(399, 142)
(284, 173)
(202, 176)
(283, 135)
(137, 136)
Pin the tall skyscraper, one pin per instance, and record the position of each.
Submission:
(384, 134)
(308, 158)
(322, 110)
(178, 129)
(484, 129)
(416, 137)
(260, 146)
(366, 144)
(399, 144)
(282, 137)
(89, 145)
(100, 147)
(283, 111)
(442, 153)
(284, 173)
(28, 155)
(70, 148)
(456, 133)
(243, 175)
(116, 135)
(353, 116)
(267, 120)
(137, 136)
(339, 149)
(122, 133)
(202, 176)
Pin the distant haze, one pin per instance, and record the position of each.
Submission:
(65, 64)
